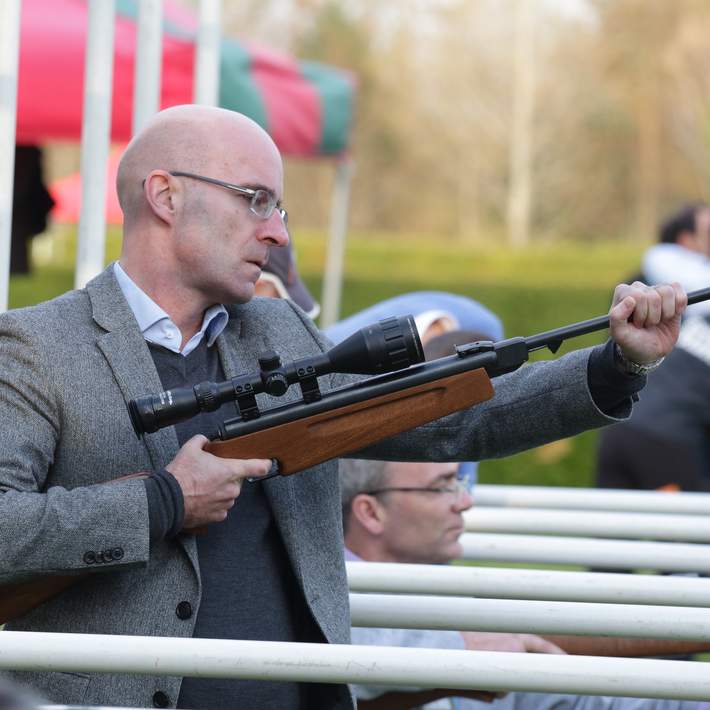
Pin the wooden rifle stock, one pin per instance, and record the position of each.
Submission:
(301, 444)
(352, 427)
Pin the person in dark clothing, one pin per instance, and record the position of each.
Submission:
(31, 204)
(666, 444)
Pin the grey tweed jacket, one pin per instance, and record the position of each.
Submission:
(68, 368)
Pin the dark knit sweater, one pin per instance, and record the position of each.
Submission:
(248, 587)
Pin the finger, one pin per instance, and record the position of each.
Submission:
(681, 297)
(195, 443)
(535, 644)
(621, 312)
(640, 313)
(249, 468)
(654, 307)
(620, 292)
(669, 308)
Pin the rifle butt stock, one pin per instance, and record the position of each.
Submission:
(303, 443)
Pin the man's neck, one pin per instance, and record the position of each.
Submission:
(185, 308)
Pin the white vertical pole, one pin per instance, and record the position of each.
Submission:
(146, 86)
(206, 89)
(95, 138)
(519, 208)
(9, 61)
(335, 254)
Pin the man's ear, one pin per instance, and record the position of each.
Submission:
(161, 194)
(369, 514)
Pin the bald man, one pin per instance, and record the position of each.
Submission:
(201, 190)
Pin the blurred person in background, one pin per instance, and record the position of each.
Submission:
(666, 444)
(435, 312)
(413, 513)
(280, 279)
(682, 253)
(31, 204)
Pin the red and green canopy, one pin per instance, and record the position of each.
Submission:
(305, 106)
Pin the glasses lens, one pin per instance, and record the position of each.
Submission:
(262, 204)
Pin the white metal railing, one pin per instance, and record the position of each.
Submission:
(541, 585)
(592, 499)
(330, 663)
(398, 611)
(583, 523)
(587, 552)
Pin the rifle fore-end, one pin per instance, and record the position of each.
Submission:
(303, 443)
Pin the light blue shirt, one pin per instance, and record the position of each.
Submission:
(467, 313)
(156, 325)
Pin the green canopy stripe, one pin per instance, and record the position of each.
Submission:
(336, 93)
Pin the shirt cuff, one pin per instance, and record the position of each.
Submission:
(610, 388)
(166, 506)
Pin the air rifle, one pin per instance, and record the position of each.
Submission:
(403, 392)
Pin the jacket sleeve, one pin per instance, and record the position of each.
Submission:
(46, 528)
(539, 403)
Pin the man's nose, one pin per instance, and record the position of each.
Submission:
(463, 501)
(275, 230)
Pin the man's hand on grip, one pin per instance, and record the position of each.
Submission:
(209, 484)
(645, 320)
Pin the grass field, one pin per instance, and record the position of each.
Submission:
(532, 290)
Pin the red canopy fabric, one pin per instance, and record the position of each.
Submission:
(66, 193)
(305, 106)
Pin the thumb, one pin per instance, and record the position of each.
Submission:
(621, 312)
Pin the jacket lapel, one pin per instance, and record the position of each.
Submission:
(296, 501)
(129, 358)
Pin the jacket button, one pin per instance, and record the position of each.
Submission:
(183, 610)
(89, 557)
(117, 553)
(108, 555)
(160, 700)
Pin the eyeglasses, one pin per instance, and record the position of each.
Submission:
(457, 489)
(261, 202)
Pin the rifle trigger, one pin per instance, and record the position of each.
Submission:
(275, 471)
(554, 345)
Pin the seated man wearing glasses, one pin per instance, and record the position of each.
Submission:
(413, 512)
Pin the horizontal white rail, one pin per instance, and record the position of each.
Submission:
(592, 499)
(398, 611)
(582, 523)
(587, 552)
(328, 663)
(541, 585)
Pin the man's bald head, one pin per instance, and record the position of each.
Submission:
(199, 139)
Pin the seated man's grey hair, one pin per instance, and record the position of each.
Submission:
(358, 476)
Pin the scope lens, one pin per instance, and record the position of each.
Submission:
(388, 345)
(155, 411)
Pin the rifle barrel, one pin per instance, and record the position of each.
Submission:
(556, 336)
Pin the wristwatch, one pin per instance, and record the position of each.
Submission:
(634, 368)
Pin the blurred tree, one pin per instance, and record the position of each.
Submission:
(617, 129)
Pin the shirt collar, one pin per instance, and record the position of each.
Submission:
(149, 314)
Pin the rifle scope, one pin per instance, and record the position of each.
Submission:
(388, 345)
